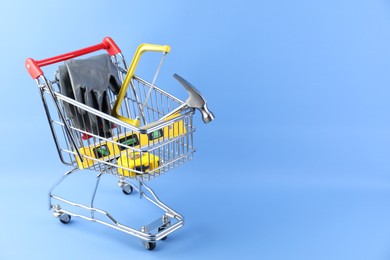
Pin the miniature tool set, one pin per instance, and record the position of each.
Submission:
(104, 118)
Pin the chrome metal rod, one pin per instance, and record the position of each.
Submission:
(58, 182)
(156, 201)
(116, 225)
(68, 132)
(157, 88)
(49, 119)
(94, 192)
(94, 111)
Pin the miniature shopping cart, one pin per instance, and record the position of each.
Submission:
(132, 129)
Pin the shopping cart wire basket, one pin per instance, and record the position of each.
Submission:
(104, 118)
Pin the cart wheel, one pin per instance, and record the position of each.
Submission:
(162, 228)
(149, 245)
(167, 224)
(127, 189)
(65, 218)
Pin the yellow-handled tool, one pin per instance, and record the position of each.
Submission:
(130, 73)
(140, 162)
(106, 151)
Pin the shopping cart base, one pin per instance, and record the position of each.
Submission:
(158, 229)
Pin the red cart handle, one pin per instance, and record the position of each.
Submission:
(34, 66)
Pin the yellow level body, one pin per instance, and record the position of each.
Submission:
(109, 150)
(142, 162)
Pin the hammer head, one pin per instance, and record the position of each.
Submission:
(195, 99)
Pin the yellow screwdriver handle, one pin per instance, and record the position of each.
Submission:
(130, 73)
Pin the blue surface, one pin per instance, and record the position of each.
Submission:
(296, 165)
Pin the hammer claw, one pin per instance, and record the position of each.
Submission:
(195, 99)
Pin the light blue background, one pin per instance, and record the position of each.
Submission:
(296, 165)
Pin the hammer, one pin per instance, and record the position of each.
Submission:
(194, 100)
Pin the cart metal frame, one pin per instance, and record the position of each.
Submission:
(170, 140)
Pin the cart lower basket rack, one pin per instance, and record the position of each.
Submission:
(105, 119)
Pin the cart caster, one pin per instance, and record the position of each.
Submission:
(127, 189)
(149, 245)
(161, 229)
(65, 218)
(164, 227)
